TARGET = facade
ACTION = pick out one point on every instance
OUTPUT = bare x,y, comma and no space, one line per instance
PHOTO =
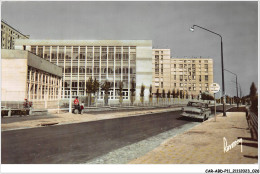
27,76
9,34
190,75
161,70
112,60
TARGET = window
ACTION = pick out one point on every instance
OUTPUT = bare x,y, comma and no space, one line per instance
125,49
181,78
68,53
54,54
96,49
40,51
206,77
33,49
125,56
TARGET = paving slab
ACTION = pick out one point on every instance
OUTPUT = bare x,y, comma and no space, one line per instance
204,144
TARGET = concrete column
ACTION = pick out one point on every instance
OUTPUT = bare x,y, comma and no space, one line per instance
64,62
86,51
129,73
58,55
100,54
43,51
114,90
41,86
122,62
34,77
48,87
71,56
93,62
30,81
107,60
50,52
38,86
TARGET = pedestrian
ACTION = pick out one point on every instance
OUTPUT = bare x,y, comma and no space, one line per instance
81,108
76,104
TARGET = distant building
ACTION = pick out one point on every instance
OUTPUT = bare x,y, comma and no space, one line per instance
27,76
190,75
161,70
9,34
112,60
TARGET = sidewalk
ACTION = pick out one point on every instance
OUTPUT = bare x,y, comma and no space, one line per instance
11,123
203,144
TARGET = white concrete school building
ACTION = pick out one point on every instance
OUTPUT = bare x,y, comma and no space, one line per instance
112,60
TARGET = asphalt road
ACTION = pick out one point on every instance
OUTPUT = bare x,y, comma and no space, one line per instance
80,142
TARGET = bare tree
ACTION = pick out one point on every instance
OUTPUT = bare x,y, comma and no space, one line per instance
132,90
121,86
142,93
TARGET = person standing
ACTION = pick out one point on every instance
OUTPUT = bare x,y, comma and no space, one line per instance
76,104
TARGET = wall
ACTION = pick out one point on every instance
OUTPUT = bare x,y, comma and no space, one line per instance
143,70
14,74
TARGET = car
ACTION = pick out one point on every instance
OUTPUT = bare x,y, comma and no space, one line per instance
197,110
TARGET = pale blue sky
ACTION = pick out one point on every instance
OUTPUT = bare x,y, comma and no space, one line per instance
166,23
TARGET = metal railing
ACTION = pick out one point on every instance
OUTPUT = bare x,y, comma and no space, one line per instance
252,120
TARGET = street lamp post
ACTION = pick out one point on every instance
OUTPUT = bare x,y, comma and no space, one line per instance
222,64
236,83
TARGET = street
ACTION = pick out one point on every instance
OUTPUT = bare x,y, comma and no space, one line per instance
77,143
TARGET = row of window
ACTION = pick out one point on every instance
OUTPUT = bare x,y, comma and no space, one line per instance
190,61
82,70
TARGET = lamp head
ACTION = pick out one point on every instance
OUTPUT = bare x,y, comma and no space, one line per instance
192,29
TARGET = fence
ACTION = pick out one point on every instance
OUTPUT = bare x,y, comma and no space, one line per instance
161,102
62,105
252,120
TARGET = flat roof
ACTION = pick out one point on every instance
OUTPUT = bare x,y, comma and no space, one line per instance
14,29
20,42
32,60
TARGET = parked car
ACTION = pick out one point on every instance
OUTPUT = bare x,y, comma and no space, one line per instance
196,110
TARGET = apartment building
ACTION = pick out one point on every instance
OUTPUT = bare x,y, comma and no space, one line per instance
9,34
190,75
161,70
112,60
